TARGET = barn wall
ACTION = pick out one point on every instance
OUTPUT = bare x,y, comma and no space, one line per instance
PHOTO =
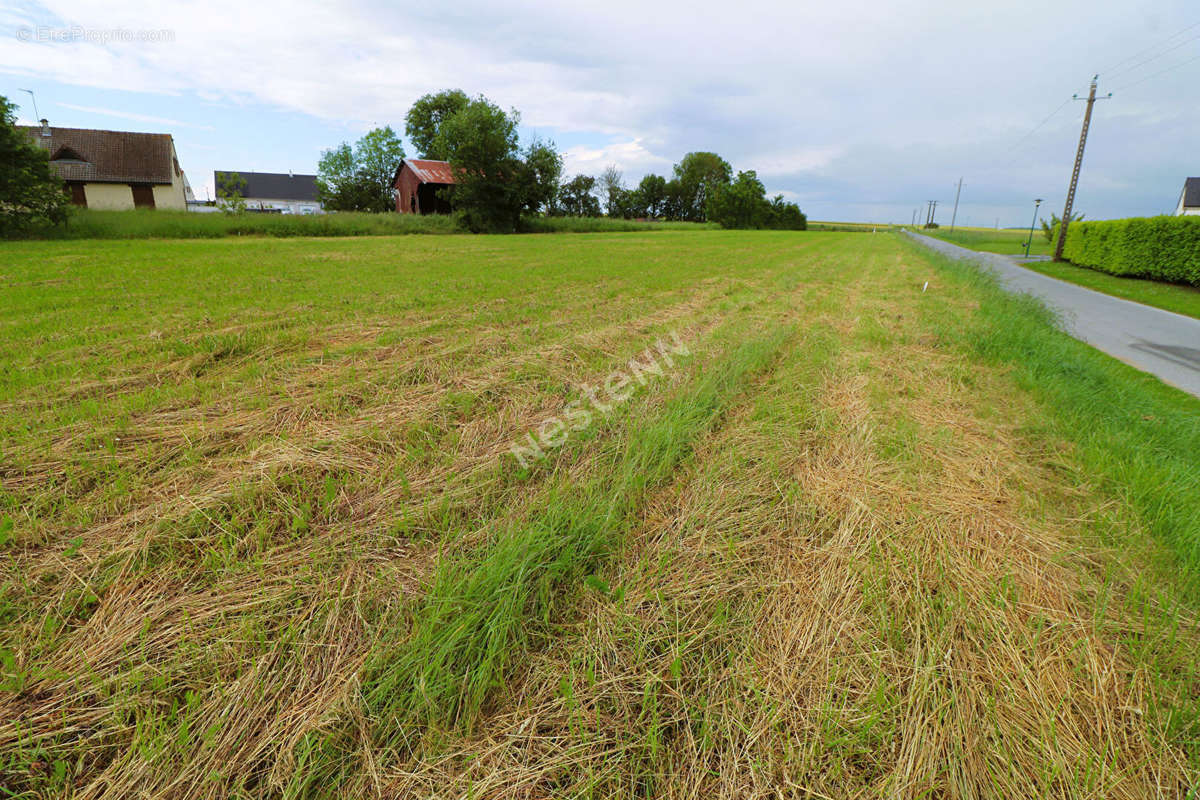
406,186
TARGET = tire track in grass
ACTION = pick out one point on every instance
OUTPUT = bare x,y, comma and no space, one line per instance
485,608
156,614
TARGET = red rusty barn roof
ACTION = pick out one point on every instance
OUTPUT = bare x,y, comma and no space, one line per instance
429,171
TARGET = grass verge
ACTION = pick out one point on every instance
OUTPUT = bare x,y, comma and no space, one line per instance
1135,434
1174,297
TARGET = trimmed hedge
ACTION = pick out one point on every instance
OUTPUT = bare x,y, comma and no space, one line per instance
1160,248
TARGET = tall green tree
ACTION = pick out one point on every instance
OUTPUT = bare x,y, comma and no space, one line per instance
424,120
652,196
480,142
542,168
359,178
743,204
611,189
698,176
740,204
787,216
30,192
576,198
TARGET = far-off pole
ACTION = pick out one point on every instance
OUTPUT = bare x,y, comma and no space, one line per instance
1066,217
954,216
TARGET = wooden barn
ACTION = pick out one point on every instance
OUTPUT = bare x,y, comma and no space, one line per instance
417,183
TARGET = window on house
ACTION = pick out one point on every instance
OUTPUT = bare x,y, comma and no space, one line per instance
66,154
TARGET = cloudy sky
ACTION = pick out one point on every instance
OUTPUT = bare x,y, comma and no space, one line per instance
857,109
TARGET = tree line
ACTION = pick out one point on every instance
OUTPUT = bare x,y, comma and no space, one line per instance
702,188
499,182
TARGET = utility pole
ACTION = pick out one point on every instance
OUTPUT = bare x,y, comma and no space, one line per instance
932,212
1029,242
1087,121
914,221
954,217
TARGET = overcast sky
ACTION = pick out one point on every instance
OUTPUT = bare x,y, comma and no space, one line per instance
857,109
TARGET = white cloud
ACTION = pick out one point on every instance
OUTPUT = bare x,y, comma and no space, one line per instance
788,89
109,112
631,157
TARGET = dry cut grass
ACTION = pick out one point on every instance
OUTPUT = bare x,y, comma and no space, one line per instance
832,554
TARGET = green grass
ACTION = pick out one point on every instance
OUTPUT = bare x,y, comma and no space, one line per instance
1006,242
1168,296
261,534
483,609
160,224
1135,434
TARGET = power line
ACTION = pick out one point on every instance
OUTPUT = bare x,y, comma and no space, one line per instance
1038,127
1153,58
1141,53
1156,74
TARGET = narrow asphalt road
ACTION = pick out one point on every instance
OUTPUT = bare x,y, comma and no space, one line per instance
1159,342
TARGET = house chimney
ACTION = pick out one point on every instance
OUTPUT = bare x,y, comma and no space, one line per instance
45,126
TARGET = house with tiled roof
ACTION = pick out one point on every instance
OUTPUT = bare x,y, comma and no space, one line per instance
285,192
114,169
1189,198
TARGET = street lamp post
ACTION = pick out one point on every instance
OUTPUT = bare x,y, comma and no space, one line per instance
1028,242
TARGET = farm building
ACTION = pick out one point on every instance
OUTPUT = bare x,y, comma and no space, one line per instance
417,183
114,169
286,193
1189,198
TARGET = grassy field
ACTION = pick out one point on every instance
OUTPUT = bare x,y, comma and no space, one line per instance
271,525
160,224
990,240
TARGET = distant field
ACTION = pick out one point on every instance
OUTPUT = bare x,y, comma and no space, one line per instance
849,227
1008,242
272,524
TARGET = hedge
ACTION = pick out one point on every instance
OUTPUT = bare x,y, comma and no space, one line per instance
1160,248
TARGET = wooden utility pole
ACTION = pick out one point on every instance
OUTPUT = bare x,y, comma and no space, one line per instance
954,216
1066,217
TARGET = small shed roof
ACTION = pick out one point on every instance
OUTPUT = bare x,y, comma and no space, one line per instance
83,154
428,171
1191,193
272,185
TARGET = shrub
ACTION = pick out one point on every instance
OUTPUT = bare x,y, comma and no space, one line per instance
1160,248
